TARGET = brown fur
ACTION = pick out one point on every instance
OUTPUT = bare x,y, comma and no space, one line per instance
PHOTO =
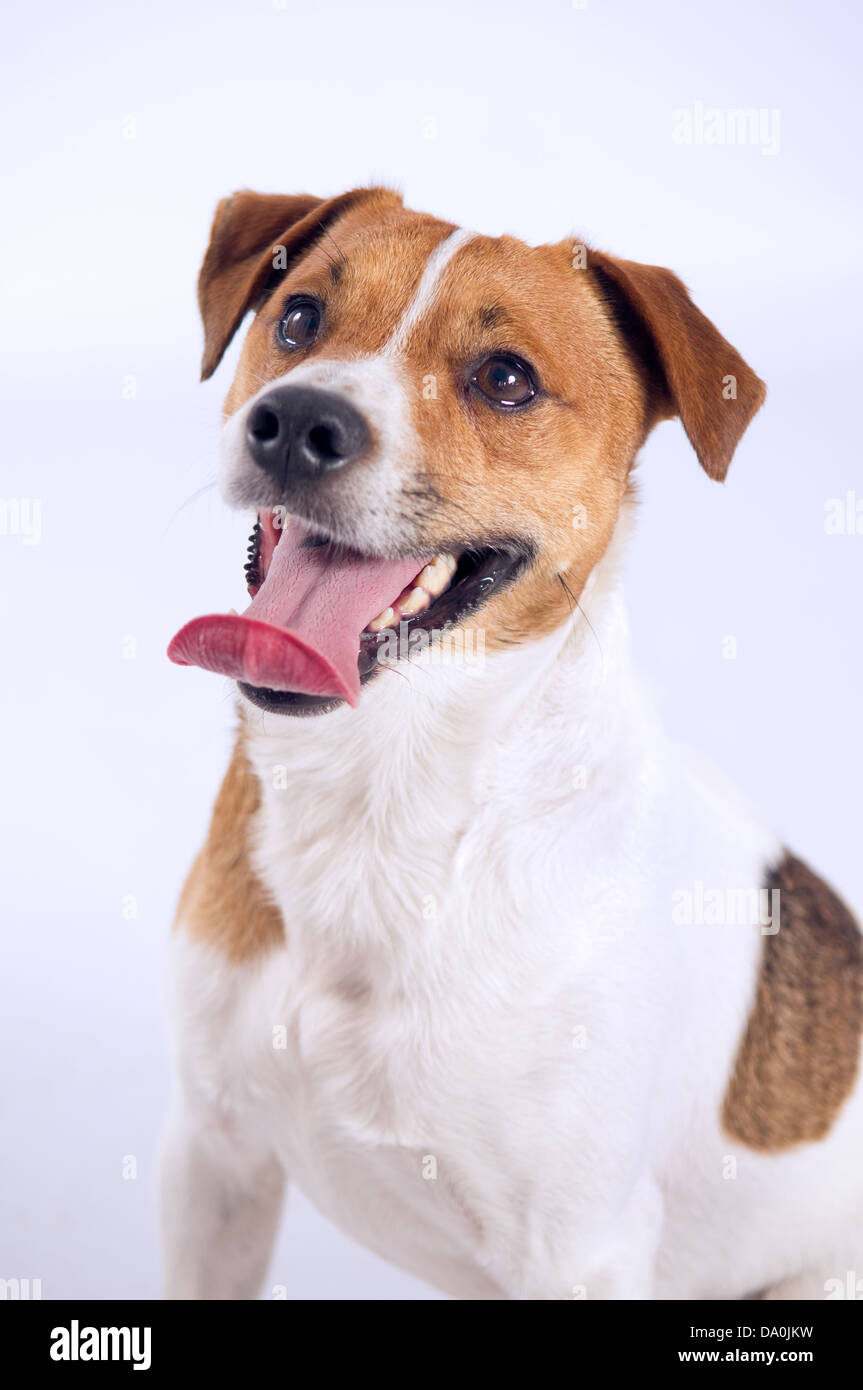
617,347
800,1055
695,373
223,902
239,266
556,473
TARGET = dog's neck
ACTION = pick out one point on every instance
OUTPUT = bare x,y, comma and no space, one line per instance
434,737
444,774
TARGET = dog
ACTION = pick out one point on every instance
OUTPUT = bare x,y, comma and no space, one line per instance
521,994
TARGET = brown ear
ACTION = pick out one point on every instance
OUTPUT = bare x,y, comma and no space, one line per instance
241,263
693,372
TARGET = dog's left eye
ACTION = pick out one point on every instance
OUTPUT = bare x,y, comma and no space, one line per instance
504,380
301,323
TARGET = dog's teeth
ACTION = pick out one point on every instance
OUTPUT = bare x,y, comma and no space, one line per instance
429,583
232,613
435,577
415,602
385,619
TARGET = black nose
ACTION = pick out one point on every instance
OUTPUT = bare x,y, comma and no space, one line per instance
303,431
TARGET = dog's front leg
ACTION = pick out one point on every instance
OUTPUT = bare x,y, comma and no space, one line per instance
616,1261
627,1267
220,1200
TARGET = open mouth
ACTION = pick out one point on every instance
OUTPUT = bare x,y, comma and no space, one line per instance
322,617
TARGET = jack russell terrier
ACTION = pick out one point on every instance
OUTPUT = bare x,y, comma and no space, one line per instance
521,994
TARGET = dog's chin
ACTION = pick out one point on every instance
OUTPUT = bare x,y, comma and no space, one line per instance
482,572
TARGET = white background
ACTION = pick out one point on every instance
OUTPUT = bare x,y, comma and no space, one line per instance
540,119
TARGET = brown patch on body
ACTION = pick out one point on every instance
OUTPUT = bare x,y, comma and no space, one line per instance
799,1058
223,902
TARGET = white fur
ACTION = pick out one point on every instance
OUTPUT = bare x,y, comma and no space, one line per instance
427,289
364,514
456,912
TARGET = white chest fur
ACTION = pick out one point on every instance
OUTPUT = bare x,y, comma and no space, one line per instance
487,1038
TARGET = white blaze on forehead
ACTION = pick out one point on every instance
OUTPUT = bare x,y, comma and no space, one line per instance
426,289
378,386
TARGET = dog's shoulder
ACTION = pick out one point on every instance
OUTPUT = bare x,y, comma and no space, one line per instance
224,903
799,1058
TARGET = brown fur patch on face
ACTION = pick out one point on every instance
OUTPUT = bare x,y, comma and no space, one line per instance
552,474
615,346
799,1058
365,268
254,237
223,902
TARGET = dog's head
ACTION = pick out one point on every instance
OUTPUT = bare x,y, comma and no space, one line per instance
433,428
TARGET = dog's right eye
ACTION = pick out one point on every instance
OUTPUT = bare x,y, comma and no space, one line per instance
504,381
300,324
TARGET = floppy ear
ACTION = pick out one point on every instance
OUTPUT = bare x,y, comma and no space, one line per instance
241,264
692,371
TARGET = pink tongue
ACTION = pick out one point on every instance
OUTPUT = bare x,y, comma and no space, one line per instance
301,632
